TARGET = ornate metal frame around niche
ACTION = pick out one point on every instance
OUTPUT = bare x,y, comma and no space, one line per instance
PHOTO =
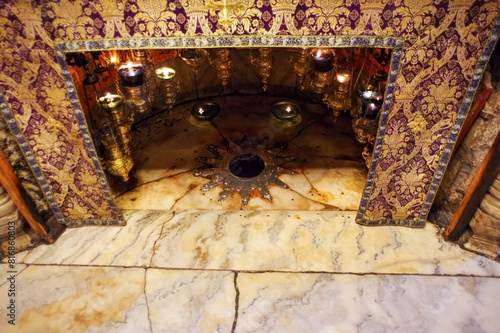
394,43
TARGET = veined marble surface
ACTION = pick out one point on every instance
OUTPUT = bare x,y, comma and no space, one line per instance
331,172
249,271
78,299
118,299
287,241
324,303
114,299
190,301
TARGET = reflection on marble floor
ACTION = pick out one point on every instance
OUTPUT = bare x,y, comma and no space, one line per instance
331,172
247,271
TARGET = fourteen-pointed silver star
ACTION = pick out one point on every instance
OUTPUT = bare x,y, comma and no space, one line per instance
243,168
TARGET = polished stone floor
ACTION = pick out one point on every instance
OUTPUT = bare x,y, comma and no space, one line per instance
330,172
242,271
186,262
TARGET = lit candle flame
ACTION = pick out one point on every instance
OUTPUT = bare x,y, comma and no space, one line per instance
377,96
319,53
288,109
113,59
201,111
108,98
130,70
166,72
367,95
372,107
110,101
343,78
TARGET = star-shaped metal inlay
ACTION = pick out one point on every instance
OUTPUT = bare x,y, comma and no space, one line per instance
243,168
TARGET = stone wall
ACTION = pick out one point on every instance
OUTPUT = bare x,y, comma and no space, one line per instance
13,231
12,152
484,237
466,162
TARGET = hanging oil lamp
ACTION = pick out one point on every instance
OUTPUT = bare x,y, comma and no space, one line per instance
377,98
121,120
300,66
115,160
264,62
131,73
110,101
193,57
165,73
322,59
343,79
170,87
374,105
338,100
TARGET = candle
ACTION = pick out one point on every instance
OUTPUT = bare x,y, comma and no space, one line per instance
285,110
131,73
343,77
205,111
377,98
367,95
110,101
113,60
372,110
323,60
165,73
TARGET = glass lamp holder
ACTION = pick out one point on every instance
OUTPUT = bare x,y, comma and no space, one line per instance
220,61
301,66
194,58
264,62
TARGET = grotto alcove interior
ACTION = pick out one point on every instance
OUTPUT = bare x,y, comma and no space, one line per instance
318,159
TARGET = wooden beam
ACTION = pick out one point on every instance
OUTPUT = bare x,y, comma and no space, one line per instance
18,193
476,108
487,172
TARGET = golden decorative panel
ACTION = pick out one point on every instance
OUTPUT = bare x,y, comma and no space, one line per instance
445,48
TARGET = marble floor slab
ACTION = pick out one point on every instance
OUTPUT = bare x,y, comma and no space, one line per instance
306,241
55,298
250,271
191,301
324,303
78,299
129,246
330,170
